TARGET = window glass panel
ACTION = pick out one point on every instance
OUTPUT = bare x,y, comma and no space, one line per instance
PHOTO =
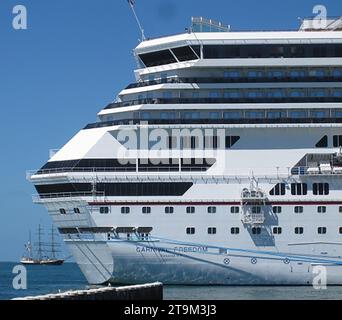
191,115
298,114
255,114
157,58
184,53
214,115
168,115
276,114
319,113
232,115
214,95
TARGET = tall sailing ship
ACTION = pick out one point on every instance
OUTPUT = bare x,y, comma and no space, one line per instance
41,257
221,164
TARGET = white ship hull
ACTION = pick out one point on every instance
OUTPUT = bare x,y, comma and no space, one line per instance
126,264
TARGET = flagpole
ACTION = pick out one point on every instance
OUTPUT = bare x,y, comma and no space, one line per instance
131,4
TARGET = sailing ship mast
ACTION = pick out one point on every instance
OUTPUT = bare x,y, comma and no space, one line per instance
40,250
54,244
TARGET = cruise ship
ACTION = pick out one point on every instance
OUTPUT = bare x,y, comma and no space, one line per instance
220,165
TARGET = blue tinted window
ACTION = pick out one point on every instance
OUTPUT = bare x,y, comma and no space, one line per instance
338,113
145,115
275,94
337,93
276,74
255,114
233,94
276,114
167,115
298,114
214,95
296,73
297,94
167,95
320,114
232,115
191,115
337,73
214,115
317,93
254,94
231,74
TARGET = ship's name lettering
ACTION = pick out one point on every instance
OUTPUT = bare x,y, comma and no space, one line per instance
169,251
190,249
146,249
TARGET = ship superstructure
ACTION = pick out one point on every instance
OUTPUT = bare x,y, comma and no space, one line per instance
221,164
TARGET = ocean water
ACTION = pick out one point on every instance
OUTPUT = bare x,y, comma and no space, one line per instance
52,279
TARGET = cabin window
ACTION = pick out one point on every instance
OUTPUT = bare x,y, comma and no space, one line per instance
104,210
235,230
211,230
337,141
125,210
190,210
77,210
340,230
323,143
320,188
322,230
321,209
256,209
256,230
169,210
277,209
278,190
298,189
298,209
211,209
299,230
277,230
234,209
190,230
62,211
146,210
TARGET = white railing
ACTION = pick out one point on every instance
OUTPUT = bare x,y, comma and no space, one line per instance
69,195
315,171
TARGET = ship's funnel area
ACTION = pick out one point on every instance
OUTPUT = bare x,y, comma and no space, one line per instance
318,24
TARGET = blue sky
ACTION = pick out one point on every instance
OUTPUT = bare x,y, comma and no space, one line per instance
72,60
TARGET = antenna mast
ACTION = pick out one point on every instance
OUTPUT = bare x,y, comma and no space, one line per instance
131,4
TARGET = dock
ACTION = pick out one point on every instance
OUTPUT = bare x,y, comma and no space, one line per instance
149,291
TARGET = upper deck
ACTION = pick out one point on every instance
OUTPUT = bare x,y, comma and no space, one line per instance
221,43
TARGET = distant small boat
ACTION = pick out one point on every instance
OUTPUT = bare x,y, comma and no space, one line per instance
40,258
